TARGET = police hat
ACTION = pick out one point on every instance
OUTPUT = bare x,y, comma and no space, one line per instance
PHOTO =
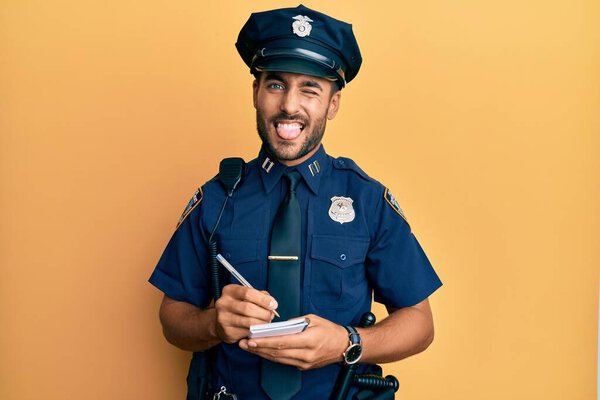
300,40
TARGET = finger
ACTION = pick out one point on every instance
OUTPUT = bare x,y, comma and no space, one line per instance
295,341
243,321
233,294
248,309
232,290
232,335
261,299
239,292
243,343
312,319
297,354
289,357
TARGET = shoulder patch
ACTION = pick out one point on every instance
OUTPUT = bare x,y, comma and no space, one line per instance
391,200
194,201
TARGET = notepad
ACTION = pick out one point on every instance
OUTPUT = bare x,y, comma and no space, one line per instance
278,328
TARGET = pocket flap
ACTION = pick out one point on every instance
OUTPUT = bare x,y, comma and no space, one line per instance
239,250
340,251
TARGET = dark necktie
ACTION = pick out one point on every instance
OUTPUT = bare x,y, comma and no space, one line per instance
282,382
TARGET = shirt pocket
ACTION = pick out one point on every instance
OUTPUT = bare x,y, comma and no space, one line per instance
338,277
242,253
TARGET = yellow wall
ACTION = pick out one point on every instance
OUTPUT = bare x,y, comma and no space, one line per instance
482,116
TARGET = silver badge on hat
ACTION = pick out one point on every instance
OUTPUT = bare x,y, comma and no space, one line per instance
341,209
301,25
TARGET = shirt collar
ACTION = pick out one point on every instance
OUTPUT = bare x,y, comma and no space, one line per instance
311,170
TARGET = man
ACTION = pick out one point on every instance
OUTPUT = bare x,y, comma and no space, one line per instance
343,234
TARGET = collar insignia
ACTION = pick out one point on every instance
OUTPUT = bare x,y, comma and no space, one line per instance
267,164
341,209
301,25
314,168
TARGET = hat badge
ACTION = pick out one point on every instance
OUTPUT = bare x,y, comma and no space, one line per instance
301,26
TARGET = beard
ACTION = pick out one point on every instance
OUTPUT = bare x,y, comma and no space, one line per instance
282,150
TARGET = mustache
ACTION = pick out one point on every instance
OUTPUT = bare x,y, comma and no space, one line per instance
288,117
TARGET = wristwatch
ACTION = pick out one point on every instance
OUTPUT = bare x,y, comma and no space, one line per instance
354,350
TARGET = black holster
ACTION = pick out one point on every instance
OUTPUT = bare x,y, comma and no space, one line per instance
374,380
198,376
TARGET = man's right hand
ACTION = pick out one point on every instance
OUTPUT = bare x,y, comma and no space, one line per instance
238,308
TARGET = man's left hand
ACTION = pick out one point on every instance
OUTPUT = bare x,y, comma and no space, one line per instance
322,343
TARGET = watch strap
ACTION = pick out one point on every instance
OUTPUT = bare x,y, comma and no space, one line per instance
354,351
353,335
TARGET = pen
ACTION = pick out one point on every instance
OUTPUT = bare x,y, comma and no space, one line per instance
237,275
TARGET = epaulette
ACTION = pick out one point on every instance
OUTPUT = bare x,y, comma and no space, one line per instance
348,164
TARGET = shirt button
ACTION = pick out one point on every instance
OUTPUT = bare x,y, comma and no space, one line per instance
343,257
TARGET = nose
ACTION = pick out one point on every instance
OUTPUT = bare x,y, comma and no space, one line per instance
290,103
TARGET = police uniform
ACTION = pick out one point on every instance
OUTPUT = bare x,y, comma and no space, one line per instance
356,241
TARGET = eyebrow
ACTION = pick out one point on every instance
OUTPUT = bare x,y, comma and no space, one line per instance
273,76
307,83
312,84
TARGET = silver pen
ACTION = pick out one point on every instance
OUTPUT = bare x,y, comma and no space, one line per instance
237,275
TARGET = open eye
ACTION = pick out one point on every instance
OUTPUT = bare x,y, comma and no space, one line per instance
275,85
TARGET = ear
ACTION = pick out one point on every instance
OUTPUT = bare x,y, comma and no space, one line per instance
334,105
254,92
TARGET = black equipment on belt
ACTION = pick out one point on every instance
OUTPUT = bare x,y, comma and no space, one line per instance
373,385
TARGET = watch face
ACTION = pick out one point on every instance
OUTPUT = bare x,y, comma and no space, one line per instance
353,354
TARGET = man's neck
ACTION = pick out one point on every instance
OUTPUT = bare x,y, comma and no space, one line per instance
298,161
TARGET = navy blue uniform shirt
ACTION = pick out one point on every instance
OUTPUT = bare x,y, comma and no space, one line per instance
356,243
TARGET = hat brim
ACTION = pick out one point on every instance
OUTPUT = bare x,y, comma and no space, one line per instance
296,66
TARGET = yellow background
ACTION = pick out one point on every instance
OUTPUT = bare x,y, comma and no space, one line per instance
481,116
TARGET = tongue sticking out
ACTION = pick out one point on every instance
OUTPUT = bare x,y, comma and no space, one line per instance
289,131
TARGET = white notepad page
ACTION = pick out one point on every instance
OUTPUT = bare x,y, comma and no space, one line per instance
278,328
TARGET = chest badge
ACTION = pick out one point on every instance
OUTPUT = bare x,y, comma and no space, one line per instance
341,209
301,26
